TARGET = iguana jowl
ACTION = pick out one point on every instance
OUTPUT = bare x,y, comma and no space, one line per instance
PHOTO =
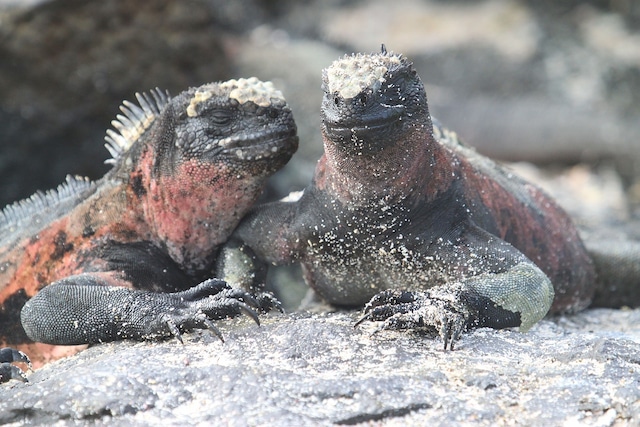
403,217
121,257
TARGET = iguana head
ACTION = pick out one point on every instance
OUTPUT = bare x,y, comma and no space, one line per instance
196,163
376,128
371,100
244,123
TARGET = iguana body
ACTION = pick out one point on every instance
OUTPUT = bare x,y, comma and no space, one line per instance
185,170
402,216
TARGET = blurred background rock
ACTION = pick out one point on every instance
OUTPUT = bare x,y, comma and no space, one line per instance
553,83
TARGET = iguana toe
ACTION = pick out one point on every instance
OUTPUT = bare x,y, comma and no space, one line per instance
418,311
9,355
268,302
9,371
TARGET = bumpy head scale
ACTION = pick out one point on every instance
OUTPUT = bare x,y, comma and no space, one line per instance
350,75
263,94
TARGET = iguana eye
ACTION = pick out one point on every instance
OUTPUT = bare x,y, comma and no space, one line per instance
220,117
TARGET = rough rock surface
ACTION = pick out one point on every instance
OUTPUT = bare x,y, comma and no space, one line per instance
317,369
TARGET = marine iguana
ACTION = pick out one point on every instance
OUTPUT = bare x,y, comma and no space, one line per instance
129,255
403,218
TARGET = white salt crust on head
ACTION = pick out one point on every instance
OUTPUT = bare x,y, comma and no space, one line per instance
242,90
350,75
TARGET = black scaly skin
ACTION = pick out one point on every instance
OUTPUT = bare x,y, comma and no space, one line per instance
418,228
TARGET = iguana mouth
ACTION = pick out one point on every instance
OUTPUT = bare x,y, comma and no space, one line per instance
372,123
257,145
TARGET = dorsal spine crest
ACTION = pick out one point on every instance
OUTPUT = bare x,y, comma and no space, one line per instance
39,202
133,122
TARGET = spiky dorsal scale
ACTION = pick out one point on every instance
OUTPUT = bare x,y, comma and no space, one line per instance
42,207
134,121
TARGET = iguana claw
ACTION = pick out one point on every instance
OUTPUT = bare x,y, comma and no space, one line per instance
210,300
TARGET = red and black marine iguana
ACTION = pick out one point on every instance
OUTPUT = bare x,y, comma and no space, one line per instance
128,256
403,217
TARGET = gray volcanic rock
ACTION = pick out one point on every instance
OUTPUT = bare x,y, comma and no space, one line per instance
317,369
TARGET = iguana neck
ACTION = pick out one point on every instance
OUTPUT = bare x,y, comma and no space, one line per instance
417,169
182,206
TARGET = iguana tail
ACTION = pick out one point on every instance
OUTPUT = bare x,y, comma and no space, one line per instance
617,264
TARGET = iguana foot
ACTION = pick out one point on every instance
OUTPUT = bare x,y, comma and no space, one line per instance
80,310
420,311
9,371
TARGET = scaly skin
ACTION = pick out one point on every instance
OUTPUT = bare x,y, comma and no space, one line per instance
402,217
185,171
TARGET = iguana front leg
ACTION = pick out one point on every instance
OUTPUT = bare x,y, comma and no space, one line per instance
239,266
498,288
87,309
